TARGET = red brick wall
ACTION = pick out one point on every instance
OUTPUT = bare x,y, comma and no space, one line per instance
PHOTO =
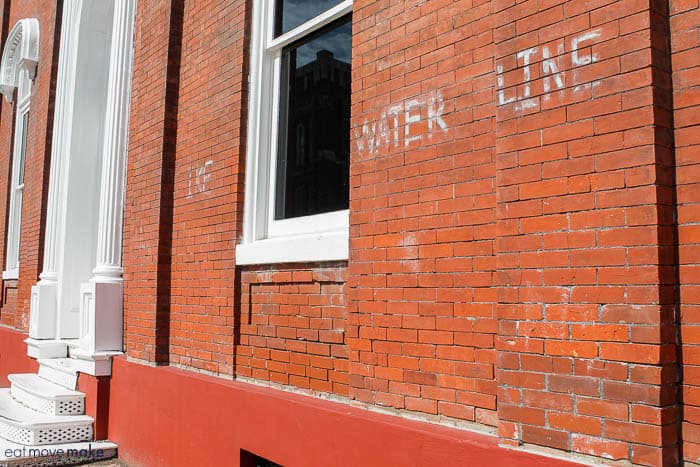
14,309
149,189
208,184
292,327
685,41
422,325
586,338
512,238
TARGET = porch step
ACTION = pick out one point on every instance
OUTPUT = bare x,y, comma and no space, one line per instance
16,455
44,396
61,371
20,424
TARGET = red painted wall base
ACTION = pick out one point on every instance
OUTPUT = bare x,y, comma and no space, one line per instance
96,390
168,417
13,355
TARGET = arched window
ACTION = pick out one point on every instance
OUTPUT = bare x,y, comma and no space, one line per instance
19,60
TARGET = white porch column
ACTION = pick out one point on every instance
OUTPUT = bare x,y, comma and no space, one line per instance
101,298
43,307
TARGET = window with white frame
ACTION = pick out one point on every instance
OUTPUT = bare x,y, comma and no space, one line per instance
297,184
17,71
17,177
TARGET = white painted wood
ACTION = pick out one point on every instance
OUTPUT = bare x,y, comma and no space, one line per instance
101,317
314,24
101,299
114,149
328,246
42,311
79,226
70,251
62,134
43,306
46,348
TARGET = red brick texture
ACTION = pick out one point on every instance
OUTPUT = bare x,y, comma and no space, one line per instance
292,328
586,345
685,41
14,304
207,184
512,220
524,220
148,203
422,325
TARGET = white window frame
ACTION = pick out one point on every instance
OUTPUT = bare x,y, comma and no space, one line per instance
19,157
319,237
17,71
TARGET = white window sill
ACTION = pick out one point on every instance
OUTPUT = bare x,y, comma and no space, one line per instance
325,246
10,274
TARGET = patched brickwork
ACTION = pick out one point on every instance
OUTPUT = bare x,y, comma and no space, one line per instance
292,328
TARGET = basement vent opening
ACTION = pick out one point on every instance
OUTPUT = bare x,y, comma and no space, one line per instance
248,459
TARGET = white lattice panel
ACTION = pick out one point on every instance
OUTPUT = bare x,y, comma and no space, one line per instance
63,435
66,406
15,434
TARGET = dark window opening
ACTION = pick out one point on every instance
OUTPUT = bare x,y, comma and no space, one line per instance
248,459
314,140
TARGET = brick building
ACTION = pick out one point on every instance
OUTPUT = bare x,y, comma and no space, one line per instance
352,232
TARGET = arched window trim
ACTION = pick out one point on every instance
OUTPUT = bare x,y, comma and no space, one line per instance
21,53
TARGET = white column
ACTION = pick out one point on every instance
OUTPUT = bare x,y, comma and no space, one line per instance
101,304
109,240
43,306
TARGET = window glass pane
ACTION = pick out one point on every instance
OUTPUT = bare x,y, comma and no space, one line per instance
22,149
314,142
292,13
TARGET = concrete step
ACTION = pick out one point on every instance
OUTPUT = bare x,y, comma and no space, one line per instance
16,455
22,425
61,371
46,397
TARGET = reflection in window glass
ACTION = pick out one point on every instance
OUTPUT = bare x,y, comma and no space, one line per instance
314,143
292,13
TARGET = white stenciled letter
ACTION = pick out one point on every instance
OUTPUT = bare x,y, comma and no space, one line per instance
436,106
411,118
550,68
366,140
394,112
501,93
576,59
525,55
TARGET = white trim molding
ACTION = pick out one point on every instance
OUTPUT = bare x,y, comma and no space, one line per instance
21,53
